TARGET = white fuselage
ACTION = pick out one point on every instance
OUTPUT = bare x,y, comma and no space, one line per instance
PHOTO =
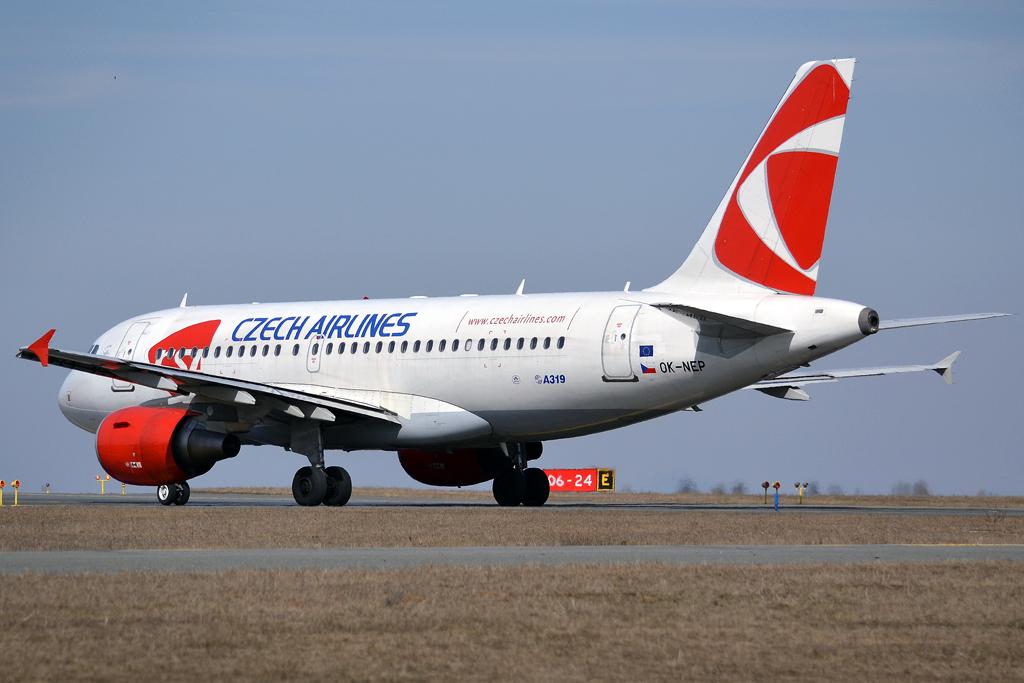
470,370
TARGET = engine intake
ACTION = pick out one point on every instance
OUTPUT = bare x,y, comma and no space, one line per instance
156,446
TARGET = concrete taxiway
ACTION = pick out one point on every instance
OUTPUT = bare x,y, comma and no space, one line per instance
117,561
201,499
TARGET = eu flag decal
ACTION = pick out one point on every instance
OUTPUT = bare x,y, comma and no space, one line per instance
647,360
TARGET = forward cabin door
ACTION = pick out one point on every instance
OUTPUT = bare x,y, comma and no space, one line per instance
615,349
126,351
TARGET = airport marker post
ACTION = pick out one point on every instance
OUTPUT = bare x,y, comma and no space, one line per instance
2,484
776,486
801,490
16,485
103,483
765,486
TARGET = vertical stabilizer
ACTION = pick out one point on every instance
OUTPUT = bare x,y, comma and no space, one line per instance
768,231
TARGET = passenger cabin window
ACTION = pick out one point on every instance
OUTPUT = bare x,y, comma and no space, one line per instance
277,350
519,344
216,352
366,347
547,342
391,347
266,350
159,353
295,350
508,343
252,351
494,344
416,346
455,345
380,345
206,351
195,351
430,345
561,342
330,348
405,345
355,346
229,351
468,345
533,343
241,350
440,346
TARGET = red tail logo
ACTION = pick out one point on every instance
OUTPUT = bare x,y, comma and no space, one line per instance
774,224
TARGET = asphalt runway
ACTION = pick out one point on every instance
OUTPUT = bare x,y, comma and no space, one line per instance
596,503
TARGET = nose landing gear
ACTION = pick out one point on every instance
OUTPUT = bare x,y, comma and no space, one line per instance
173,494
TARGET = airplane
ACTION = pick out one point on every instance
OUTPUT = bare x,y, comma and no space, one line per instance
466,389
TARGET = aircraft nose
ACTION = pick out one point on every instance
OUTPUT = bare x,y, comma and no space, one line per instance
75,402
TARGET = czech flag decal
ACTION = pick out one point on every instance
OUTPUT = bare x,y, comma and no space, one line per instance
647,360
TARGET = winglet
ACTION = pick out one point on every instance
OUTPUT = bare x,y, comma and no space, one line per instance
41,347
184,301
521,285
945,367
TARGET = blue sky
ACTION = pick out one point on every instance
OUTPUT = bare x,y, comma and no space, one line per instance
261,152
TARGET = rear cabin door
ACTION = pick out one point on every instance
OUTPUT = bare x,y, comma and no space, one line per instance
126,351
316,350
615,348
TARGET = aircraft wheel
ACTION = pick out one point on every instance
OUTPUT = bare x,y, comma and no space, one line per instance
309,486
509,487
537,487
184,491
339,486
167,495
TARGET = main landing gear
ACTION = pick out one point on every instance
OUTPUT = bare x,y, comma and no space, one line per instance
173,494
519,484
314,485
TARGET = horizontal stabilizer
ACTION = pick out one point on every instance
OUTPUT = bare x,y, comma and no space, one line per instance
788,393
937,320
944,368
739,327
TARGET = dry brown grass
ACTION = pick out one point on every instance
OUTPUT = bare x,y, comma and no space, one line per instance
677,498
878,622
156,527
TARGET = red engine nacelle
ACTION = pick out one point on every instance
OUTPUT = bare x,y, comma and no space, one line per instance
156,446
460,467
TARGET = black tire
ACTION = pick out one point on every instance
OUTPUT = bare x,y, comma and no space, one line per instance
339,486
167,494
184,491
309,486
509,487
537,487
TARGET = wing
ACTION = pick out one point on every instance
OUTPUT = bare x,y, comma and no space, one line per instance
788,386
295,403
937,320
